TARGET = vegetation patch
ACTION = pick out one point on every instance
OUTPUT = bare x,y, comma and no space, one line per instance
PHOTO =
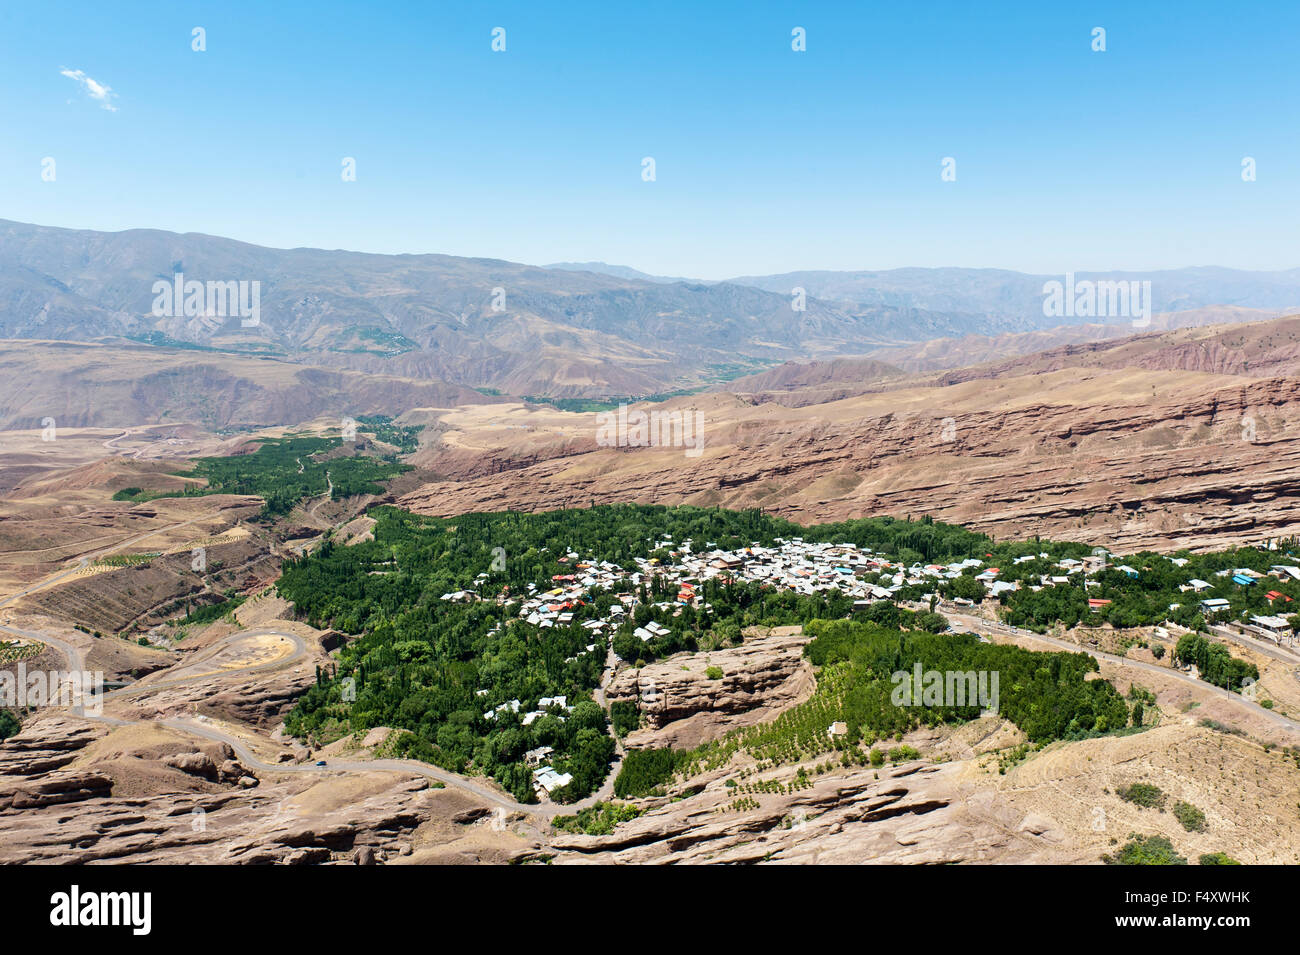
1045,694
1142,794
600,819
1189,817
1214,662
14,651
286,471
625,716
1146,850
1217,858
210,612
646,771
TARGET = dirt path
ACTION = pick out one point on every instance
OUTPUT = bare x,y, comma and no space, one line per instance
194,727
980,623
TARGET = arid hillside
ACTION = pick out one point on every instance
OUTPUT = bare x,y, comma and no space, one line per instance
816,382
1181,439
940,353
125,385
1254,350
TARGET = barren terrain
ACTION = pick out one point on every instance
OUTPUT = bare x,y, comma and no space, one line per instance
1169,440
1186,439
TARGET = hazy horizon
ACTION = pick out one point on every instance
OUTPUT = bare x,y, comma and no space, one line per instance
564,265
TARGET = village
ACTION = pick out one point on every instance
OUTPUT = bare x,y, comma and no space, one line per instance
807,568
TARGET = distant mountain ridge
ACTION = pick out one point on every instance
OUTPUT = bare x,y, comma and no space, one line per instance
470,321
1000,293
570,330
622,272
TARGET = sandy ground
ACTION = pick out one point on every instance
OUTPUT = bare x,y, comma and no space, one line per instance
1250,796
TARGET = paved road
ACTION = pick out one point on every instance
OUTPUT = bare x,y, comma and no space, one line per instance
980,623
1259,646
70,652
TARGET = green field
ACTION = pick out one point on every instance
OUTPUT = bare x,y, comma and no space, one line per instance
285,471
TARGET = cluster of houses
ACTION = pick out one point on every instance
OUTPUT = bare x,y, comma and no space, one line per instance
808,567
1274,626
803,567
557,705
792,564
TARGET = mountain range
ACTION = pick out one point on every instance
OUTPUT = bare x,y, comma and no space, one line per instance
568,330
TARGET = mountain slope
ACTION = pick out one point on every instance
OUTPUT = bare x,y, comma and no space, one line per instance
941,353
1181,439
103,385
477,322
574,330
999,293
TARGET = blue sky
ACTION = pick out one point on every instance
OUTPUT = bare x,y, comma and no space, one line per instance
767,160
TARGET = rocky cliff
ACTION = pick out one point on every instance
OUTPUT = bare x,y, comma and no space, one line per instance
1127,458
683,705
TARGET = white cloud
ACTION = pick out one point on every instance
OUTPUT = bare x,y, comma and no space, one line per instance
96,90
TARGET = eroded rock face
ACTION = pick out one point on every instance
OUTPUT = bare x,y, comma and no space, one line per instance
912,814
261,701
682,706
57,788
45,745
217,767
154,800
1199,462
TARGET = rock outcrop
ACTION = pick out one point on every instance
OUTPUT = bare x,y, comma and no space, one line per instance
155,797
907,814
1128,459
683,705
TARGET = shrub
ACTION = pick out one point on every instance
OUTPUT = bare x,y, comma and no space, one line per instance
1217,858
1146,850
902,754
1143,794
597,820
1191,818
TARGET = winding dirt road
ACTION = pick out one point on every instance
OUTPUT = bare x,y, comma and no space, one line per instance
198,726
75,657
982,624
